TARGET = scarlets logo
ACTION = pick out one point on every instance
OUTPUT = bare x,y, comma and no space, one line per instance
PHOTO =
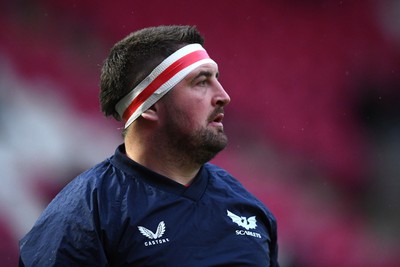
246,223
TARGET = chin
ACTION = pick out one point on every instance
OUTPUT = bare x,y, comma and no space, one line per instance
210,149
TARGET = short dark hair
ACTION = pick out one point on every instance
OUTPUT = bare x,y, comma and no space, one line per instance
134,57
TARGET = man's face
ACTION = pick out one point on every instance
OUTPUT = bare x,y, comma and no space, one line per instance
192,115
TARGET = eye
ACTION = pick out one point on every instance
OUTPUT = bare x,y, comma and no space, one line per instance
202,82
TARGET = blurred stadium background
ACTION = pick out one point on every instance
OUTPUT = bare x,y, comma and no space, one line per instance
314,122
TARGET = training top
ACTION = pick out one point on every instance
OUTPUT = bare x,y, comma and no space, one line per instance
120,213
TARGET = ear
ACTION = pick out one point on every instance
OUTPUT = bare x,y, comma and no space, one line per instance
151,113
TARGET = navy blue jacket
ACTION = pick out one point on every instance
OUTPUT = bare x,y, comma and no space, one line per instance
120,213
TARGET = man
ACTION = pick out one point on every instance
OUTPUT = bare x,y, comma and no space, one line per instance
156,201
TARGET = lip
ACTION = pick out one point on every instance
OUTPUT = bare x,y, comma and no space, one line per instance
217,121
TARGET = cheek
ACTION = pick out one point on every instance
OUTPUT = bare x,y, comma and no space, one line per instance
189,113
189,118
197,114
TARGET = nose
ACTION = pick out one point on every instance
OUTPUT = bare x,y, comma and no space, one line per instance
221,97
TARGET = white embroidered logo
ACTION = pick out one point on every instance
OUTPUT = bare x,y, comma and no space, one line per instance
247,223
148,233
156,237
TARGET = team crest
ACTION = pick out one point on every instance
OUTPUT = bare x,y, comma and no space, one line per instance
246,223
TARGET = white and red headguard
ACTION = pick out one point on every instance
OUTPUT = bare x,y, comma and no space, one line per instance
162,79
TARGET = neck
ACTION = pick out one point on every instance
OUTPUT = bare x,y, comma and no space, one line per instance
161,160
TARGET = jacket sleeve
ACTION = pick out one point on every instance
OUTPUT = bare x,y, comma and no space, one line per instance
67,233
274,243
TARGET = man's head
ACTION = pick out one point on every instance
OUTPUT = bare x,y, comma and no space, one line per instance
163,79
135,56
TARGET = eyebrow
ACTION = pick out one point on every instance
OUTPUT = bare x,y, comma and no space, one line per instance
205,73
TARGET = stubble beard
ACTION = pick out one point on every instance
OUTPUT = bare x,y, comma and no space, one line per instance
197,147
204,145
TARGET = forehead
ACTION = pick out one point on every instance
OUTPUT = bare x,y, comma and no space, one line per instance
207,69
